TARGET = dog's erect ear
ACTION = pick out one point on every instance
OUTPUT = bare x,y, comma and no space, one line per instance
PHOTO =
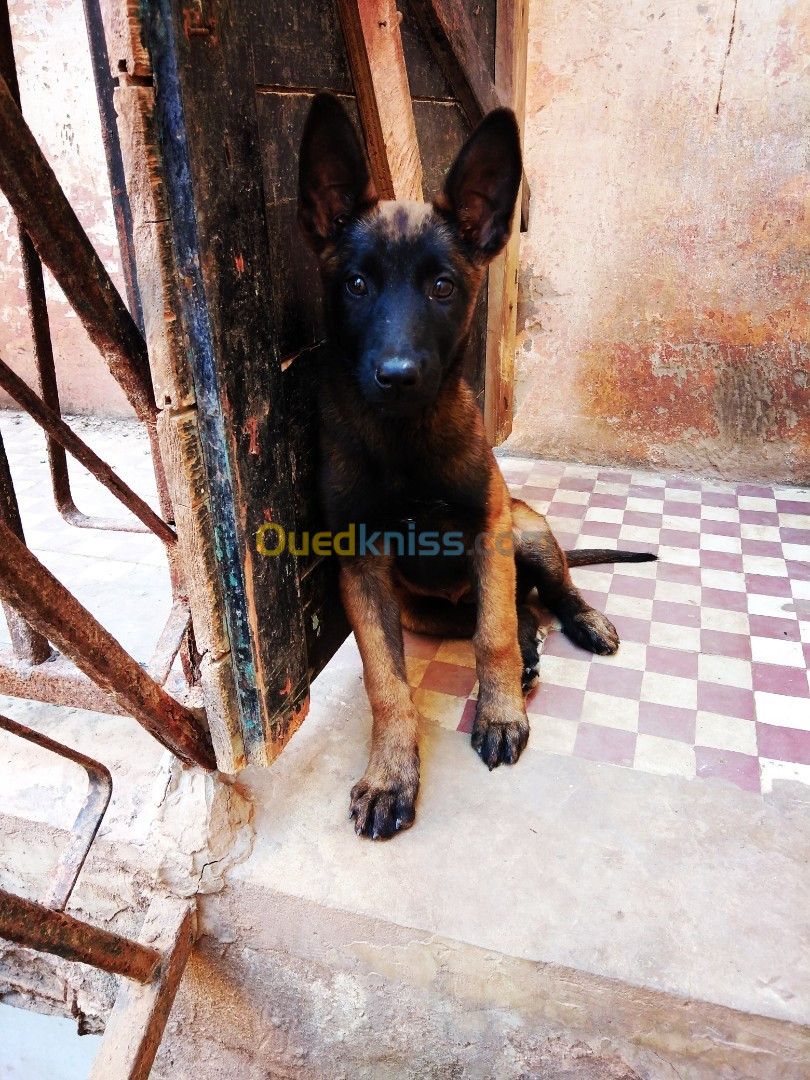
333,180
482,185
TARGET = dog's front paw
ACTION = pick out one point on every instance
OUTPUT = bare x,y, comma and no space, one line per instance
498,738
593,631
383,802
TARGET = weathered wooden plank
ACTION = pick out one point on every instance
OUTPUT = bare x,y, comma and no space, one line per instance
510,77
374,46
138,1019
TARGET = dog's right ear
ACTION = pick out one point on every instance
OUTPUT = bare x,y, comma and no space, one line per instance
333,179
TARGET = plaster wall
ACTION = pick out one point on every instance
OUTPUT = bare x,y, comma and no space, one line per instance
664,287
59,104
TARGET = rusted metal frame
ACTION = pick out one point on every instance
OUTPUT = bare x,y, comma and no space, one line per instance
16,388
29,587
87,821
38,927
29,184
105,85
452,41
170,642
28,645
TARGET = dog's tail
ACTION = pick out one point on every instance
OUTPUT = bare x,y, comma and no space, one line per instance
589,556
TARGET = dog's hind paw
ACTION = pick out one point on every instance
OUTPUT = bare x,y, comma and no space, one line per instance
499,742
592,630
381,812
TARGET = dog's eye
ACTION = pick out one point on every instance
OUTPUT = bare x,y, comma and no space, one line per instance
357,286
443,288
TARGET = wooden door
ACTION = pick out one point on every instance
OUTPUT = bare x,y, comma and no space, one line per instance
233,84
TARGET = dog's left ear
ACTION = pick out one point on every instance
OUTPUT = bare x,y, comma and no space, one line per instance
482,185
333,179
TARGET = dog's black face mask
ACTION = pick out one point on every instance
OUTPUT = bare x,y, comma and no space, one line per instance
401,278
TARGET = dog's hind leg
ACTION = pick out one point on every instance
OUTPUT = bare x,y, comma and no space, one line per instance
440,618
542,561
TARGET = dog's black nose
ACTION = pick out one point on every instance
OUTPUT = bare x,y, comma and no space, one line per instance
397,373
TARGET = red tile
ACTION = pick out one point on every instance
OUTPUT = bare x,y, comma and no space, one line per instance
791,506
608,502
683,483
806,651
721,560
563,702
557,644
419,646
788,681
448,678
797,571
667,721
605,744
772,627
537,494
577,483
796,536
681,575
672,662
723,599
764,585
560,508
609,476
739,769
720,528
467,717
615,681
622,585
755,491
759,517
720,643
594,598
675,508
678,538
783,744
637,630
725,700
647,491
640,520
601,528
770,549
666,611
719,498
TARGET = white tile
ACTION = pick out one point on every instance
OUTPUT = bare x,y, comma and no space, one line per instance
553,734
683,495
751,502
726,733
771,771
797,552
762,564
777,607
725,670
804,632
682,524
609,711
596,542
800,589
794,521
640,534
669,690
680,556
720,513
631,654
564,671
713,542
634,607
604,487
782,711
730,622
666,757
678,593
777,651
646,506
643,569
667,636
604,513
442,709
794,494
760,532
579,498
729,580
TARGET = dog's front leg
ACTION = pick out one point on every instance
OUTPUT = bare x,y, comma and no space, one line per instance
383,801
501,727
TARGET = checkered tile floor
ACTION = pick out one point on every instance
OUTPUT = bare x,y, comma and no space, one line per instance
711,679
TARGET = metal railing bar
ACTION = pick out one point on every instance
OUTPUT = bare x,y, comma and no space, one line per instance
85,827
16,388
169,642
41,207
52,610
38,927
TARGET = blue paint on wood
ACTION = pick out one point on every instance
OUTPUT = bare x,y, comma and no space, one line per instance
180,197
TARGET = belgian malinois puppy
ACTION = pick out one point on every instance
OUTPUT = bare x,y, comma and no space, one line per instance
403,449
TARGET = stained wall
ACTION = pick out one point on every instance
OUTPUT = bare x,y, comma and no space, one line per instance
664,282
